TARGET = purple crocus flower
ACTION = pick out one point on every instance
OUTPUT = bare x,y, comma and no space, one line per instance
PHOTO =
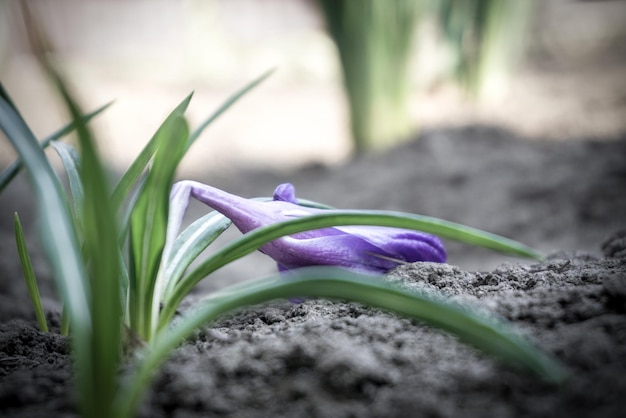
368,249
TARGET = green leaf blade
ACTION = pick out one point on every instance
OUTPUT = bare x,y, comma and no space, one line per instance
57,231
149,223
486,334
190,244
71,162
133,173
99,381
29,275
255,239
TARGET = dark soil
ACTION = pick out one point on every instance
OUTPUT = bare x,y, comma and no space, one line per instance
335,359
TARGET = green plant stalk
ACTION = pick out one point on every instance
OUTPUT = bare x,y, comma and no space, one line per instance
374,41
29,275
255,239
487,334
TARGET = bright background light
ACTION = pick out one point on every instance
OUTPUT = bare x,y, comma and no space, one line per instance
147,55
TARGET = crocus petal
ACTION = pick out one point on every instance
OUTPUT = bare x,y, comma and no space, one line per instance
335,250
406,245
363,248
246,214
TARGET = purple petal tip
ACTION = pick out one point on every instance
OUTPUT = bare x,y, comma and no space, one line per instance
285,193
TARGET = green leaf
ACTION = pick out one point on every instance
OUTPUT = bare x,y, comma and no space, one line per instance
190,244
57,231
140,285
255,239
11,171
127,210
56,227
149,224
29,275
124,284
98,382
487,334
133,173
65,321
71,161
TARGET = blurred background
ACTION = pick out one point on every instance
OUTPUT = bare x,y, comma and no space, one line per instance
466,78
551,69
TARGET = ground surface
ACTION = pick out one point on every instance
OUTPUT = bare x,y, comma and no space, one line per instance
333,359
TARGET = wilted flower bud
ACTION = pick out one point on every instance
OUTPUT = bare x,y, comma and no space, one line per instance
370,249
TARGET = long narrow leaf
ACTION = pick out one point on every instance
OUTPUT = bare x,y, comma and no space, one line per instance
130,178
71,161
11,171
255,239
57,231
486,334
124,283
127,211
133,173
190,244
98,383
149,222
29,275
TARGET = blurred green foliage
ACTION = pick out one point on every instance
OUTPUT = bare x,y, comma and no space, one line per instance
376,41
487,38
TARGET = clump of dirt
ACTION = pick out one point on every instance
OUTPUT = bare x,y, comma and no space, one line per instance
331,358
325,359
